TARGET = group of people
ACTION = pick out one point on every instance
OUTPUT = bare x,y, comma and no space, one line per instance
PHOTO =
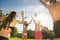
9,22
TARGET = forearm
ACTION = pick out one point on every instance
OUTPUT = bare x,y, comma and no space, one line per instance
46,30
42,2
19,22
2,18
31,21
22,17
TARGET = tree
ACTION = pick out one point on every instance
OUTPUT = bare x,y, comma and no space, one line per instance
30,34
52,34
14,32
0,13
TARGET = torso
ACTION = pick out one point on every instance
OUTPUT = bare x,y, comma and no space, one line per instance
55,11
25,28
37,27
5,32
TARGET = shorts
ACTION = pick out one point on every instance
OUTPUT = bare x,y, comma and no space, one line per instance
3,38
24,33
38,35
57,29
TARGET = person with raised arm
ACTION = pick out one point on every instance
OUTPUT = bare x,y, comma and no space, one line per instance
25,25
54,9
37,33
8,25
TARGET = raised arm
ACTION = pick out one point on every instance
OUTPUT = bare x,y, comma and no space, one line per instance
34,21
30,21
19,22
22,13
47,6
2,18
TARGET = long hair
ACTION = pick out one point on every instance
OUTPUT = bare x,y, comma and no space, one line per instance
9,19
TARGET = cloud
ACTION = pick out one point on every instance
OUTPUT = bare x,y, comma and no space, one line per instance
34,9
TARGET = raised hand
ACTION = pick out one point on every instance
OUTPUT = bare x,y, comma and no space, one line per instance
22,12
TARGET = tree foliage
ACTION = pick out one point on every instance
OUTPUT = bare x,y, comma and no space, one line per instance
1,14
14,32
30,34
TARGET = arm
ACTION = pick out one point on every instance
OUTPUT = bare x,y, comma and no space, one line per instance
25,17
19,22
30,21
34,21
2,18
46,29
22,13
47,6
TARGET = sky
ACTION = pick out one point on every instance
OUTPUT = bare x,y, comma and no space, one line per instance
30,7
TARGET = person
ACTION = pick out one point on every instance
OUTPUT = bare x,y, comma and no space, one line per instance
8,25
25,25
45,32
54,9
37,33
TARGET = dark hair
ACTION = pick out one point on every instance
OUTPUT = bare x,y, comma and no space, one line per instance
53,1
8,19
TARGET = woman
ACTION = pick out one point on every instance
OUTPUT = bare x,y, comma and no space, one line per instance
7,26
25,25
24,34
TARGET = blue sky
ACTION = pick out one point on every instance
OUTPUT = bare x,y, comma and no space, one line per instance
30,7
14,4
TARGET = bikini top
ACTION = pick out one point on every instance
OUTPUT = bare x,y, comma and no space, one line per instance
25,25
1,22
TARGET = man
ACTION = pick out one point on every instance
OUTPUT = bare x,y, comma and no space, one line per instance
54,9
37,33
